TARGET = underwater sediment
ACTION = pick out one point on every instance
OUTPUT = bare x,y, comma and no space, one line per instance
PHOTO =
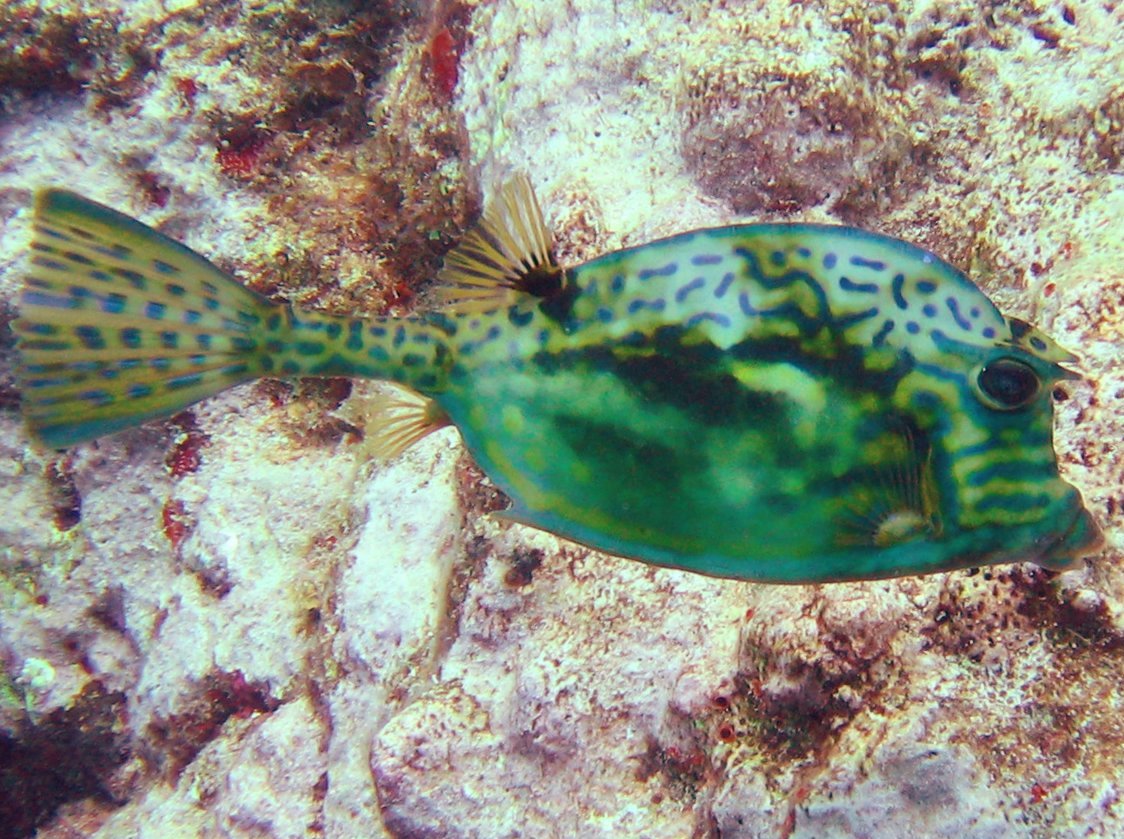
237,623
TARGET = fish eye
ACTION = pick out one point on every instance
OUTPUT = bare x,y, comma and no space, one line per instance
1008,384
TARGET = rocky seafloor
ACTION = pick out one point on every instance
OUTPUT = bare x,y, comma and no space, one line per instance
237,623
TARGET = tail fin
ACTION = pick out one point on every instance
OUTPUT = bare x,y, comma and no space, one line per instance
119,324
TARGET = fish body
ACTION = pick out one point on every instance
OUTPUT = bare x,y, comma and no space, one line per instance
773,402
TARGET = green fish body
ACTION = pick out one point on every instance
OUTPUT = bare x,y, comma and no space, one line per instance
774,402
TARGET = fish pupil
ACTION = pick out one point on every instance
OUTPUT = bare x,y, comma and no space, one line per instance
1010,383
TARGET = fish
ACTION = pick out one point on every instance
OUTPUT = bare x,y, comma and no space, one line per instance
775,402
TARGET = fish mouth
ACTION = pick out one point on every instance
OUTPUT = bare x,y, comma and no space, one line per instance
1082,538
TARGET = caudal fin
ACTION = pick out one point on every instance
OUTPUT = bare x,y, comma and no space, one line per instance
119,324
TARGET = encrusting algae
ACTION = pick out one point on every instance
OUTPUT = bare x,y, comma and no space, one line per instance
774,402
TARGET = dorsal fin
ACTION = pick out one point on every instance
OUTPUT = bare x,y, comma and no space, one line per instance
508,254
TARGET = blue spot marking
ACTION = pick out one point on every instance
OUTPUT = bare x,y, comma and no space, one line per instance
191,316
290,367
355,337
975,312
117,251
170,340
154,310
334,329
912,327
880,336
706,259
377,331
803,252
714,317
90,336
664,271
54,234
160,364
37,298
139,391
378,354
695,284
656,305
829,260
399,336
492,334
617,283
519,318
211,303
135,279
113,303
872,264
78,258
175,289
544,336
99,397
929,310
778,258
49,264
203,341
308,347
896,289
988,332
164,267
604,315
721,289
1038,344
847,284
961,321
99,275
926,286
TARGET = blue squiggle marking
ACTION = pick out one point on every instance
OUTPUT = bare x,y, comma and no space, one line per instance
961,321
856,317
896,290
656,305
696,283
664,271
880,336
717,318
847,284
872,264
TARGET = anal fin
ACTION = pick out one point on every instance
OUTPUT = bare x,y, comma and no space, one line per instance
402,418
